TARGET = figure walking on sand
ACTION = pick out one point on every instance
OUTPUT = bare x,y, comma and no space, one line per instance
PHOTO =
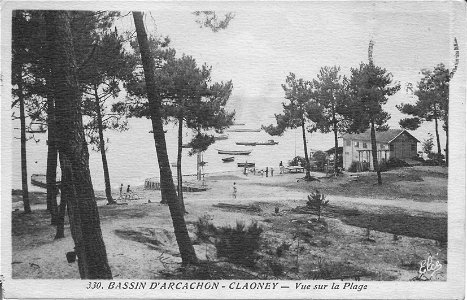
121,190
272,172
267,171
128,191
281,168
234,191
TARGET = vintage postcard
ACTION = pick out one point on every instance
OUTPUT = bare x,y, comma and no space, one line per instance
234,150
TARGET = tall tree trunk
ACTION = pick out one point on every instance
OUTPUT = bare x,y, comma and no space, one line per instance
51,175
438,144
167,186
307,167
446,151
374,152
24,169
108,189
74,157
336,145
64,195
179,165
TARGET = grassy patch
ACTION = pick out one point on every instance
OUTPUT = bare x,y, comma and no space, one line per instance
396,222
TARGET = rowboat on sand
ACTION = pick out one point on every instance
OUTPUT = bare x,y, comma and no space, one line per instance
246,164
228,159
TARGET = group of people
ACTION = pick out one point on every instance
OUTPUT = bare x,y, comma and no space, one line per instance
264,171
128,193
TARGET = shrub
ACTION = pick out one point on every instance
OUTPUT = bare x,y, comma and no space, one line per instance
383,166
353,166
317,202
239,244
320,159
396,163
282,248
276,267
298,160
204,228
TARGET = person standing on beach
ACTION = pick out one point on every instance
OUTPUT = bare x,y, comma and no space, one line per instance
281,168
272,172
121,190
267,171
127,195
234,191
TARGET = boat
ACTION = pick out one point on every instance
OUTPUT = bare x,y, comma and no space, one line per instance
239,124
246,164
269,142
39,180
221,137
244,130
234,152
228,159
186,146
246,143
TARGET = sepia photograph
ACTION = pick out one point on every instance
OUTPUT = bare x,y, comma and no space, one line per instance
240,149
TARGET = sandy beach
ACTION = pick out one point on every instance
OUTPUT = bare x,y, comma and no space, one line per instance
140,241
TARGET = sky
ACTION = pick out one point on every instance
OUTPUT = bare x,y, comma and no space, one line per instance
265,41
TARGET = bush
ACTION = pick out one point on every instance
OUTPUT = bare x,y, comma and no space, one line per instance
298,161
239,244
320,159
316,202
383,166
282,248
204,228
396,163
357,166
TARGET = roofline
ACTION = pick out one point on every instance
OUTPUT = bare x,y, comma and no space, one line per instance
402,133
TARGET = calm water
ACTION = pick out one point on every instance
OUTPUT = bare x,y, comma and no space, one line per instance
132,156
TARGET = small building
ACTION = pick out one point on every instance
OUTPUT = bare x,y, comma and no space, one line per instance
396,143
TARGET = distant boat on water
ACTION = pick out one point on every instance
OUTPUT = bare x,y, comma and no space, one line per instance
228,159
268,143
234,152
221,137
239,124
246,143
244,130
246,164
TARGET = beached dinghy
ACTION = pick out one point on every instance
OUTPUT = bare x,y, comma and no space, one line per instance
228,159
39,180
234,152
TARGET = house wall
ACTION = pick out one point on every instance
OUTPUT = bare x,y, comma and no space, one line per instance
350,152
403,147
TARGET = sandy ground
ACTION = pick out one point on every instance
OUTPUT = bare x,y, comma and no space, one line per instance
140,242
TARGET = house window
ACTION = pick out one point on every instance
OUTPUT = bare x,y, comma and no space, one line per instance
348,142
365,145
391,147
357,144
413,147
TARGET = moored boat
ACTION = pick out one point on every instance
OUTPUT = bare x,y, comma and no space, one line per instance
246,164
269,142
221,137
246,143
228,159
234,152
244,130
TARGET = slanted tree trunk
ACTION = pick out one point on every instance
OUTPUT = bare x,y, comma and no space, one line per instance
446,151
74,155
179,164
108,189
374,152
185,246
307,167
24,169
51,175
438,144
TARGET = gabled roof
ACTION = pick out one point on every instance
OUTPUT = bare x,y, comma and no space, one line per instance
381,136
